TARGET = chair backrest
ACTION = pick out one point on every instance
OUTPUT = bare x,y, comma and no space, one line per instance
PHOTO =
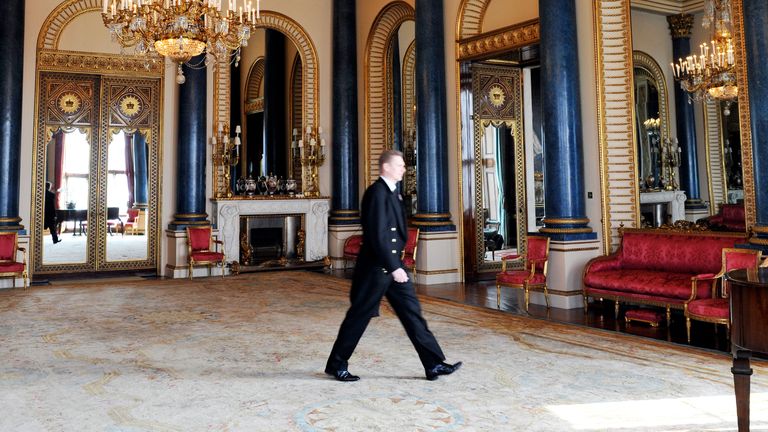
199,238
352,245
113,213
8,245
409,249
132,214
735,259
537,252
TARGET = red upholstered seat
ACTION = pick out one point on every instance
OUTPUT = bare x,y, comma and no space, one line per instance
714,307
660,284
200,249
533,275
9,264
409,250
352,247
730,218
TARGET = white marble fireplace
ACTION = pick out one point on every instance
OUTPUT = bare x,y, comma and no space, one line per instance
227,213
675,201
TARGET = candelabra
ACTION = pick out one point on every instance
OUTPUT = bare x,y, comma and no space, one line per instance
670,160
226,154
311,151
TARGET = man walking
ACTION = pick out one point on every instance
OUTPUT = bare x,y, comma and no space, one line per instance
380,272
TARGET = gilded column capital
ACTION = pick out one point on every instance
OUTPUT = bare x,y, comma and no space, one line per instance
680,25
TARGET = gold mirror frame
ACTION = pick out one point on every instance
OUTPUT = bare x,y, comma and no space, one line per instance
619,191
116,67
645,61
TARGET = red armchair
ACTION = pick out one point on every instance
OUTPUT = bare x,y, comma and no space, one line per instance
200,249
533,276
409,251
9,264
730,218
716,309
135,222
352,247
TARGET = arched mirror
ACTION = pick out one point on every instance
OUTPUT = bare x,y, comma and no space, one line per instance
272,118
651,121
733,181
402,100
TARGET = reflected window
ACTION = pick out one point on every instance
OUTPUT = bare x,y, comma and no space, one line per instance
117,182
76,170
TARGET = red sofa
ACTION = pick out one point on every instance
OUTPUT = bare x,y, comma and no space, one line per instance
659,267
730,218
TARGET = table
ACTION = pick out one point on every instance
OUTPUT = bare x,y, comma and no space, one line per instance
748,293
75,215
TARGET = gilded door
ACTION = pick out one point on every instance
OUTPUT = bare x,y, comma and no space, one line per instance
97,153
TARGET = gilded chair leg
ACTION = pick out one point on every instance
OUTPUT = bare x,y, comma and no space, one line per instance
526,298
498,296
546,296
25,276
669,316
616,309
209,270
586,304
222,269
189,273
687,328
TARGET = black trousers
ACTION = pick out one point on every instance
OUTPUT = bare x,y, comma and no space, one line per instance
365,298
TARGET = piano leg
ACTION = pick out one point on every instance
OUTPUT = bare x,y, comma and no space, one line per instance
741,373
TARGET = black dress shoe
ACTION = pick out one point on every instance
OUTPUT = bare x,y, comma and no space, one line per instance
342,375
442,369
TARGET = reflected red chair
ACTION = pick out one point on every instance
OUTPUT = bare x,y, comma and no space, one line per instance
352,247
409,250
131,221
200,249
533,275
9,264
716,309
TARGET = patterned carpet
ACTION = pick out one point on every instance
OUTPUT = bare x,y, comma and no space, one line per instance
246,354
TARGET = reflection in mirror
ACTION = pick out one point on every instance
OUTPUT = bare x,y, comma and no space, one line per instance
499,192
731,152
402,58
126,210
66,201
648,122
272,116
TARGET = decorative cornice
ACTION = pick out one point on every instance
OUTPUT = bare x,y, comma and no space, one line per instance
504,39
680,25
106,64
254,106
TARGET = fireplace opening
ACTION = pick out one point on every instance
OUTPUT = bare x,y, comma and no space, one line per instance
268,239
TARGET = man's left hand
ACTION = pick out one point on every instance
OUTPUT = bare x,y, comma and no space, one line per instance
400,276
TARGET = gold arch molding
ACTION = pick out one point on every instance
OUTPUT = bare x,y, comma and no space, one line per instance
645,61
469,21
377,112
253,98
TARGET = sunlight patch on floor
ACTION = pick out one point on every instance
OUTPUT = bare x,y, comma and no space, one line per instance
715,412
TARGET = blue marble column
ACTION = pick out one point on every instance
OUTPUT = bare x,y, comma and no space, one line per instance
432,212
140,172
680,27
756,45
565,207
11,77
191,152
345,208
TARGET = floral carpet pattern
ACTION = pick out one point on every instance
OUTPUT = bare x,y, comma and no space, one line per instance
246,353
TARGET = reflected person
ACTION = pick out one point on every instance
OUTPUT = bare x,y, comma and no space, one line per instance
379,272
49,217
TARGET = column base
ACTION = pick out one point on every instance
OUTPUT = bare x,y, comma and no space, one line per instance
433,222
337,234
182,221
692,214
565,270
344,217
177,265
437,258
759,239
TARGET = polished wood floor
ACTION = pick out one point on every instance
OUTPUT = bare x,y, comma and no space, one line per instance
600,315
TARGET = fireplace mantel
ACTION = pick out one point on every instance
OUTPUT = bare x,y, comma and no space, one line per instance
227,212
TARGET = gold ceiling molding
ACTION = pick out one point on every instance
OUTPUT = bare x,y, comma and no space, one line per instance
497,41
469,21
384,27
669,6
255,77
104,64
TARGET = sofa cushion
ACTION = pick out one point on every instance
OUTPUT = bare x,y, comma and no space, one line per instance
681,253
714,308
652,283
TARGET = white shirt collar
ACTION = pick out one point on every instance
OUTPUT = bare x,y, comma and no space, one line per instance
392,185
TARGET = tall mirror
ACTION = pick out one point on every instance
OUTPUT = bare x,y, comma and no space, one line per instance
401,58
502,154
269,106
658,156
66,200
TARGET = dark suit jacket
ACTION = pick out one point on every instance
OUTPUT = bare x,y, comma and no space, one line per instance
49,215
384,229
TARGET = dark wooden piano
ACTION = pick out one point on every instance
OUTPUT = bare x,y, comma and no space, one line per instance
748,291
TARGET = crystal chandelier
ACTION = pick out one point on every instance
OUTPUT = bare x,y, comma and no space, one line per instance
181,29
710,74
